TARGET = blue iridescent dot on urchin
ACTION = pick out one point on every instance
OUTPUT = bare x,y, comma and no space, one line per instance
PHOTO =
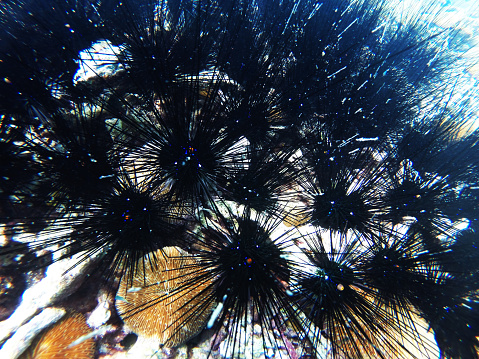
316,161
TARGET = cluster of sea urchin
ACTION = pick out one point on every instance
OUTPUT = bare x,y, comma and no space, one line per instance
299,177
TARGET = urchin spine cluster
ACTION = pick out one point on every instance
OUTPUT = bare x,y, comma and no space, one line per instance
312,160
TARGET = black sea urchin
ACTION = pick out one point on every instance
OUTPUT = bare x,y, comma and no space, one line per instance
312,166
249,268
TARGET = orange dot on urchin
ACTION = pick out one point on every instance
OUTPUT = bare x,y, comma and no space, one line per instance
168,299
55,342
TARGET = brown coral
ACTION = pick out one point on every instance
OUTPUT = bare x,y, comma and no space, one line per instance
55,342
166,300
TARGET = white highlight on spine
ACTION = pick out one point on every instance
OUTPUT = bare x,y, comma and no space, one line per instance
99,331
347,28
337,72
215,313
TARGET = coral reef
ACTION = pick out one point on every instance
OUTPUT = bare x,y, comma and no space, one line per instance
248,179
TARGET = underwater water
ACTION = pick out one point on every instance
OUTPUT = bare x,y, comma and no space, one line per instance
239,179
